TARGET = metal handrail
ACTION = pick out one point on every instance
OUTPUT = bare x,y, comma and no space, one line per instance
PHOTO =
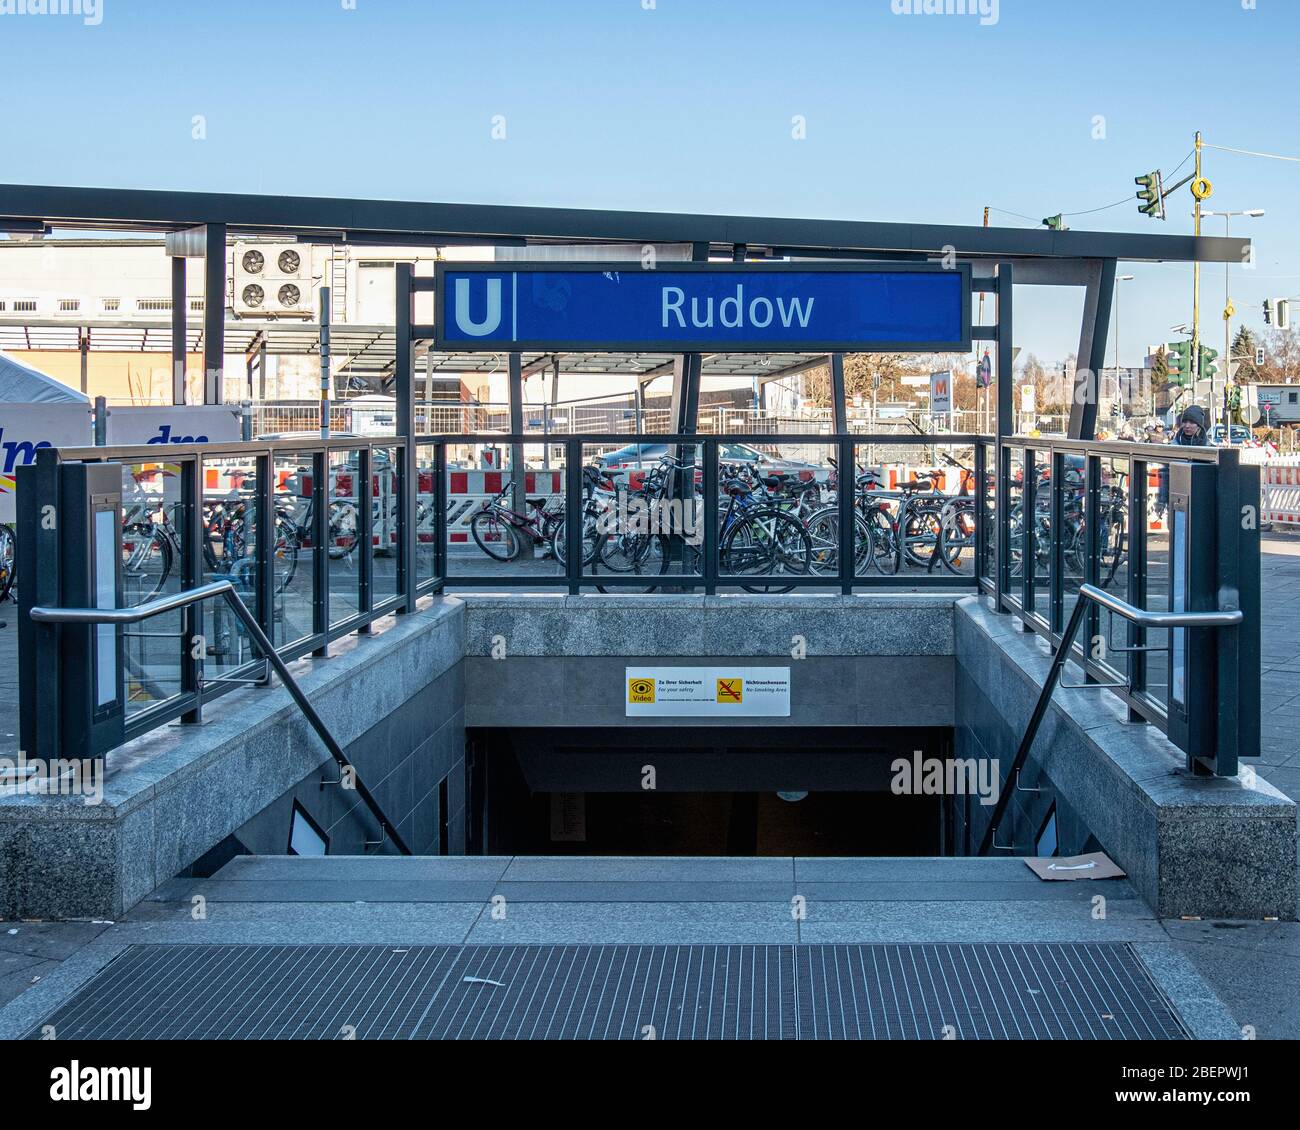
224,588
1222,618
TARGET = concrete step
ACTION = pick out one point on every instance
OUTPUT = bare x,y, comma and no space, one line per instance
594,879
622,869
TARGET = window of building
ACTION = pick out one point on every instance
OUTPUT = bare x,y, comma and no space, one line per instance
69,305
196,305
3,306
112,305
24,306
1290,397
153,305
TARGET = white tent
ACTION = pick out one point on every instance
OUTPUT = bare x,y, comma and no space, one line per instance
21,384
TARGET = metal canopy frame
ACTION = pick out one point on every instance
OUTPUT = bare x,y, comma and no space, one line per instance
359,221
1036,256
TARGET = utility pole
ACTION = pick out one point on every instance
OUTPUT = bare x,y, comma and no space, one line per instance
1196,277
1219,406
1152,196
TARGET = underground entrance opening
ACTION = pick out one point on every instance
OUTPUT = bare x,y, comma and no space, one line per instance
823,791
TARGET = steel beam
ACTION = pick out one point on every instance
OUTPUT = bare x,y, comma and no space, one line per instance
180,316
1091,357
392,221
214,312
839,406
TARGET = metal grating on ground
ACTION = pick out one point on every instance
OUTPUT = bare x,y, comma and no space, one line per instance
570,992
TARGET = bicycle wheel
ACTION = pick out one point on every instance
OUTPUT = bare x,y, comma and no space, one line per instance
823,536
882,556
1113,547
495,537
285,551
146,562
766,543
590,541
823,528
8,561
343,529
919,536
626,552
957,535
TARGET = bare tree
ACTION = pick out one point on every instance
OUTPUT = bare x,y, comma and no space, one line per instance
1281,356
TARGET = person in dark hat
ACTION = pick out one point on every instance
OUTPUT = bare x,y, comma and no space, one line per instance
1192,428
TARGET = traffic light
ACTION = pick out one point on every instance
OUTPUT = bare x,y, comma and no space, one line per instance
1234,398
1178,361
1152,195
1209,370
1056,223
1270,311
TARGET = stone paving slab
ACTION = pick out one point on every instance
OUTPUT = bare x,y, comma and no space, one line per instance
682,869
612,922
325,891
306,869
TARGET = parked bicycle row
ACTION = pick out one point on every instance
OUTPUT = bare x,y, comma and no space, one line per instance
771,523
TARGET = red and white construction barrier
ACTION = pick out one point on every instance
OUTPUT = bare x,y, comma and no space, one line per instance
468,490
1280,490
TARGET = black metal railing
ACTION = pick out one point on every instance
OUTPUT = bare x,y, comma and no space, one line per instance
1090,595
225,590
319,537
1107,514
306,531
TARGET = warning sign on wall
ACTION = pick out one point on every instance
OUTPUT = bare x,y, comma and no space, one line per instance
708,692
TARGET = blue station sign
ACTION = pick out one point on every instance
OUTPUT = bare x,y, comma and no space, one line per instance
703,307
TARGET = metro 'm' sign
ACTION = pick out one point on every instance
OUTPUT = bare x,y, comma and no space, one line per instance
703,307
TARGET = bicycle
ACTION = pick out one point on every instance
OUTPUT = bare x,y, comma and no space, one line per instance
918,527
151,544
500,532
957,521
593,511
755,538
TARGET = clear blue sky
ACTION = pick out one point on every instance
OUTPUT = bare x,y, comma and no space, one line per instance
688,106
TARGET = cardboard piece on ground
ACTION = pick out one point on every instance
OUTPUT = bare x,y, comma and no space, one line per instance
1096,865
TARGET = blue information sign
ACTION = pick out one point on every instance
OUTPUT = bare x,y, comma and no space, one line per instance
703,307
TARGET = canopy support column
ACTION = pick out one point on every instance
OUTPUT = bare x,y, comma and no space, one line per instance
179,317
214,312
839,405
1097,302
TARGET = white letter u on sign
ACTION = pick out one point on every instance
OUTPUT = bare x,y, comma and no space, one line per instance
491,319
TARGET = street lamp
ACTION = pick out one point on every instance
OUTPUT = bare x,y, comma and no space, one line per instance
1254,214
